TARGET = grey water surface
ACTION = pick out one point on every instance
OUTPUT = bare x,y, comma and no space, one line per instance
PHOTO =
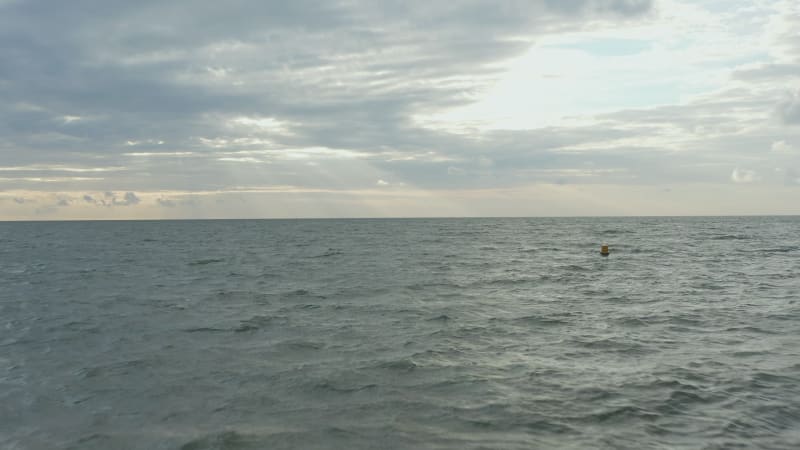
401,333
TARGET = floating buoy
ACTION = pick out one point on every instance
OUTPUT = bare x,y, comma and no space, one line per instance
604,250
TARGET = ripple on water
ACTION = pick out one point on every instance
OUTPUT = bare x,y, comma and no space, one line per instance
225,440
206,261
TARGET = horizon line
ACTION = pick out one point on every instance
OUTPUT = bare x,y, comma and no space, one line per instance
653,216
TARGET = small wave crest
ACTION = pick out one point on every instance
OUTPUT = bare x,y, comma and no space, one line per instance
329,386
225,440
203,262
440,318
113,369
539,321
299,294
782,249
254,323
620,414
205,330
330,252
730,237
399,365
300,345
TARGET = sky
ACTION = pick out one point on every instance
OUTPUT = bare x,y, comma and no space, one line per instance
361,108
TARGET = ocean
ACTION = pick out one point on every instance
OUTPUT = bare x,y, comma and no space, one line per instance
401,334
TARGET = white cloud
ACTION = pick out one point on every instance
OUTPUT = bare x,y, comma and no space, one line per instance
244,159
783,147
261,124
50,179
744,176
56,168
157,154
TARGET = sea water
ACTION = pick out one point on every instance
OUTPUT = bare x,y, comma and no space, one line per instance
412,333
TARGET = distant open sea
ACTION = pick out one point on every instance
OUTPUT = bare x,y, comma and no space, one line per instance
401,333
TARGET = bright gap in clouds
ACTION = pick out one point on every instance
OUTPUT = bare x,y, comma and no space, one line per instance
552,85
565,79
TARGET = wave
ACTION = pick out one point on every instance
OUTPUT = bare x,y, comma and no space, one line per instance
680,401
256,323
301,294
339,388
621,414
203,262
224,440
543,249
420,286
539,320
506,424
113,369
506,281
767,379
783,249
440,318
633,322
613,345
750,329
574,268
205,330
300,344
400,365
330,252
731,237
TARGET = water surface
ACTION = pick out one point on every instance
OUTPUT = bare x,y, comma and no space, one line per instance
423,333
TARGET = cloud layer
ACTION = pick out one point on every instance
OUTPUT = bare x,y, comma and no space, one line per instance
146,108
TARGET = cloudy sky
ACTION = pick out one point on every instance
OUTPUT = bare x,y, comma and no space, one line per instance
359,108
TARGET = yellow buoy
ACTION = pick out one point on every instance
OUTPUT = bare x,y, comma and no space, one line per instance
604,250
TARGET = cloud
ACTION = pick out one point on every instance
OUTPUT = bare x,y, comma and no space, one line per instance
163,81
110,198
621,7
782,147
455,171
166,203
789,109
791,177
768,72
744,176
173,96
130,199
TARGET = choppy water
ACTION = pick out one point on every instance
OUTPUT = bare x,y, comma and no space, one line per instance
431,334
